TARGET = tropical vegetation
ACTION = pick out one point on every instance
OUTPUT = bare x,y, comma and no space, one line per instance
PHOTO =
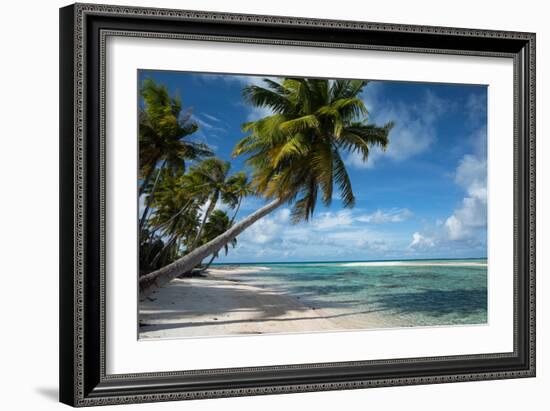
294,156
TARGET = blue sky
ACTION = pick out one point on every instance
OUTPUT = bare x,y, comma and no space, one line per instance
425,197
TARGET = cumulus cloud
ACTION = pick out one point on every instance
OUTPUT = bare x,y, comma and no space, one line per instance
339,234
471,174
346,217
330,220
266,230
476,108
467,225
455,228
420,241
283,216
414,130
394,215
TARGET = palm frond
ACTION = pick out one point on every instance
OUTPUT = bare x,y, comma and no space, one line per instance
295,154
342,180
305,206
371,134
350,108
296,145
299,124
343,88
262,97
323,165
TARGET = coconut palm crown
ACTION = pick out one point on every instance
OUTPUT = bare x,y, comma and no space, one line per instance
296,153
164,132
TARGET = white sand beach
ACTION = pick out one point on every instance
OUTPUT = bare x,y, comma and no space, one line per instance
221,304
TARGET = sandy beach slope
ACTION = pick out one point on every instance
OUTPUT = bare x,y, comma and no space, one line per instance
224,304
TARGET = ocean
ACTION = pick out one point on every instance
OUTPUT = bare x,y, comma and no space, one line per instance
406,293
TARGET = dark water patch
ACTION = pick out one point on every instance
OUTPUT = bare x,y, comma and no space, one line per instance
390,286
416,276
326,290
307,274
435,302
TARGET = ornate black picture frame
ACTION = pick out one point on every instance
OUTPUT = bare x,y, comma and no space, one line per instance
83,30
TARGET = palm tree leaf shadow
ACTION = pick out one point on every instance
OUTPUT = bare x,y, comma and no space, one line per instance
157,327
226,300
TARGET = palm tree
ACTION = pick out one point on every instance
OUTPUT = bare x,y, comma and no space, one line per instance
173,222
295,154
211,174
217,224
175,219
163,133
176,195
239,187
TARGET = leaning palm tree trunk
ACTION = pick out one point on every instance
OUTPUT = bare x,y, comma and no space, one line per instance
210,208
207,266
150,198
164,249
159,278
165,224
236,211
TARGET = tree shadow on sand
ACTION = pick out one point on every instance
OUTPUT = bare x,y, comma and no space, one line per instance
157,327
184,305
179,301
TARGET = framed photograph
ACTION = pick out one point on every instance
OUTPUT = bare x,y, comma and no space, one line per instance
259,205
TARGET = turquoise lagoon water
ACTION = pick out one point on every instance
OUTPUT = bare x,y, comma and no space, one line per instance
407,293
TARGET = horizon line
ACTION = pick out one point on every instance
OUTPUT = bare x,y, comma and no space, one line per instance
351,261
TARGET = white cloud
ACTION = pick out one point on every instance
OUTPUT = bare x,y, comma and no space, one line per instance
207,125
455,228
330,220
211,118
476,108
253,113
232,78
283,216
267,229
356,160
466,227
262,231
202,209
329,235
471,174
251,80
420,241
394,215
378,246
346,218
414,129
256,113
141,205
251,203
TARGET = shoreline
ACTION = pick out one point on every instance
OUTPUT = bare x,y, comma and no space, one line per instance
407,261
221,304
